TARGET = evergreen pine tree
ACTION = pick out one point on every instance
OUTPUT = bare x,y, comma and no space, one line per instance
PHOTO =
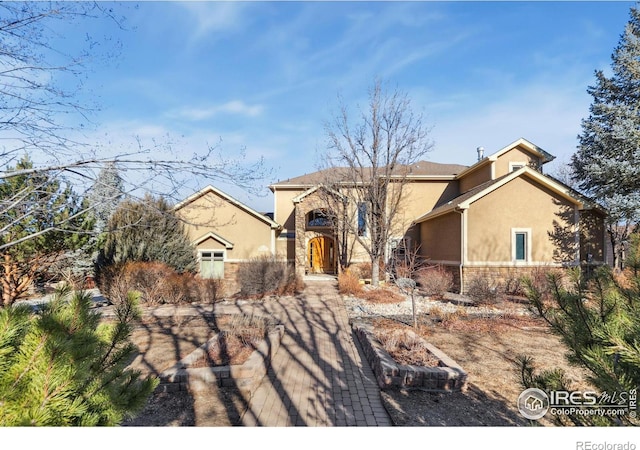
105,194
66,367
607,163
147,230
599,322
40,220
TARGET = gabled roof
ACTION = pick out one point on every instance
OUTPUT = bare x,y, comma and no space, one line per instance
419,170
216,237
212,190
529,146
544,156
465,200
299,198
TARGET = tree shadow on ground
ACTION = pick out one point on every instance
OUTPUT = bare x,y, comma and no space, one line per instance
317,376
474,407
163,340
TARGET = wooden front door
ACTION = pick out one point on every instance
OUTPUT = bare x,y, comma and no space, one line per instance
321,254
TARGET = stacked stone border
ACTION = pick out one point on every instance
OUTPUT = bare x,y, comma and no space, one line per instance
246,377
447,377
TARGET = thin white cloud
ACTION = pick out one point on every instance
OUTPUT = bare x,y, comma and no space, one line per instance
234,107
215,17
548,116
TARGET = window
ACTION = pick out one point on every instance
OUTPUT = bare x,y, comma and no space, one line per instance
212,264
521,246
362,219
513,166
318,218
521,250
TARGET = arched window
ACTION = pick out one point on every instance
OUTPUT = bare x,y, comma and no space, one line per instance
318,218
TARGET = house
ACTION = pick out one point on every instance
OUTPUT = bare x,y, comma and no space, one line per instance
500,217
225,232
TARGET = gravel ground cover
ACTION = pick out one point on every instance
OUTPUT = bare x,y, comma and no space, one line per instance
485,341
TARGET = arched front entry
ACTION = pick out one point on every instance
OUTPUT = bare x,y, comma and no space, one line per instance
321,255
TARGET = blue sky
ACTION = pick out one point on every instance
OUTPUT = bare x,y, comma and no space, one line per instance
266,75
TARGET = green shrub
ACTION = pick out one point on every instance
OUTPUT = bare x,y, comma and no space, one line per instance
147,230
65,367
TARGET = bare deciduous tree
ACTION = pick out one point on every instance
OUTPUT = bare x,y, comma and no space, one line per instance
42,115
369,162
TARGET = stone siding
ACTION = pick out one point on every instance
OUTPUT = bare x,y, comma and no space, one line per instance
505,275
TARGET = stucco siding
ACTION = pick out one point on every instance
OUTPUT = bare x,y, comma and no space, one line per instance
284,207
592,237
420,197
475,178
440,238
210,213
516,155
524,205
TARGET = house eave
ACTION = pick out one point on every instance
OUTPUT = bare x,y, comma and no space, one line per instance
211,189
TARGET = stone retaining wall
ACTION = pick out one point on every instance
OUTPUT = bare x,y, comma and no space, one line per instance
246,377
447,377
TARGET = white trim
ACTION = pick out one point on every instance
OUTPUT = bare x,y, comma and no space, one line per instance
537,176
529,146
464,236
230,199
237,260
576,231
493,170
299,198
273,241
511,264
443,262
527,243
527,171
216,237
308,186
520,165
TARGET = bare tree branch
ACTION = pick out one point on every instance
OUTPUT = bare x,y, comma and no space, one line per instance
369,162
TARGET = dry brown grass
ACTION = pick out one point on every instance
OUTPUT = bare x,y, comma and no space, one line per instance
487,349
158,284
238,338
406,347
380,295
163,341
447,317
434,281
349,283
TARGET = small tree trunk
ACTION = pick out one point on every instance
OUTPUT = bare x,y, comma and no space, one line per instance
15,280
375,271
413,310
